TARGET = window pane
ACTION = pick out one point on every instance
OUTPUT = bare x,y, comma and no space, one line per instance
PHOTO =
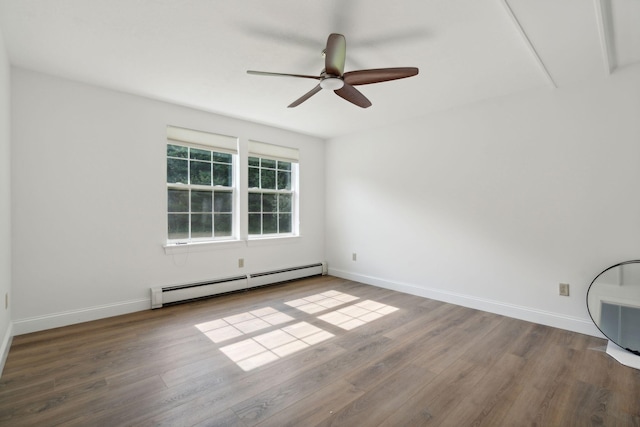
222,224
222,175
223,201
284,180
201,201
221,157
201,225
255,202
254,161
177,171
268,178
284,223
284,203
255,224
178,226
269,223
269,203
254,178
176,151
200,154
200,173
268,163
178,200
191,209
284,166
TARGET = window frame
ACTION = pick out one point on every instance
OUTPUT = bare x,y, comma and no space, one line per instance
293,192
241,150
275,152
212,143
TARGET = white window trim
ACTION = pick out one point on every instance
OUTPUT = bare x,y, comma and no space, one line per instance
210,142
211,245
204,246
287,154
295,184
242,150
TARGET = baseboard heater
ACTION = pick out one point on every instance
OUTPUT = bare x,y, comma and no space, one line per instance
171,295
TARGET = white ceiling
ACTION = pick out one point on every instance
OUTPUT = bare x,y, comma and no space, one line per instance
196,52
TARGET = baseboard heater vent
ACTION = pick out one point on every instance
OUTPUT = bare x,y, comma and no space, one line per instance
286,274
177,294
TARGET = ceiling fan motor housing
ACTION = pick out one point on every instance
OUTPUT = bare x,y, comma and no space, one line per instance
331,83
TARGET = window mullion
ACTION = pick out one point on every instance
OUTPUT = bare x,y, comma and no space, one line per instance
189,222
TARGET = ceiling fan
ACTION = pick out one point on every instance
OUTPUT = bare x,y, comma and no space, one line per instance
334,78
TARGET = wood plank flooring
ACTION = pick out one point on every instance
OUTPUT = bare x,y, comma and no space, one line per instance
320,351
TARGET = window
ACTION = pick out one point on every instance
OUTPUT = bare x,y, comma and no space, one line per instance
270,196
200,186
272,184
205,192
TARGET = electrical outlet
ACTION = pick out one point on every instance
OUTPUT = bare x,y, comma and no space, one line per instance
240,262
354,257
563,289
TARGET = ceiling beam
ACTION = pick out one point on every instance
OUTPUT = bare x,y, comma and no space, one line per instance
528,43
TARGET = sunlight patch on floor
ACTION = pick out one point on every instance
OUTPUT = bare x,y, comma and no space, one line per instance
262,349
224,329
358,314
320,302
257,350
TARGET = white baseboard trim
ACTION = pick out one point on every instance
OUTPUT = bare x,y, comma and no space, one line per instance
6,345
570,323
65,318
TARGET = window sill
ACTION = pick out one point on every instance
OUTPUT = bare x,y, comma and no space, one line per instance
182,248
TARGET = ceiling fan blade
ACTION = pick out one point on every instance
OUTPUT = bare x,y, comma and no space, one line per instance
365,77
266,73
335,54
305,96
353,95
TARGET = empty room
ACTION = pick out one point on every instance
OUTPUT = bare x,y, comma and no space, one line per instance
195,231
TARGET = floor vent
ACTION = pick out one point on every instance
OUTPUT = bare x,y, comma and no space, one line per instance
177,294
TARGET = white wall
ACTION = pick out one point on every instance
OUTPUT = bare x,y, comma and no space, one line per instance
5,204
490,206
89,202
493,205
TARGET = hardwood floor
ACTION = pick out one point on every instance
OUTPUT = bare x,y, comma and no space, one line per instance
302,354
